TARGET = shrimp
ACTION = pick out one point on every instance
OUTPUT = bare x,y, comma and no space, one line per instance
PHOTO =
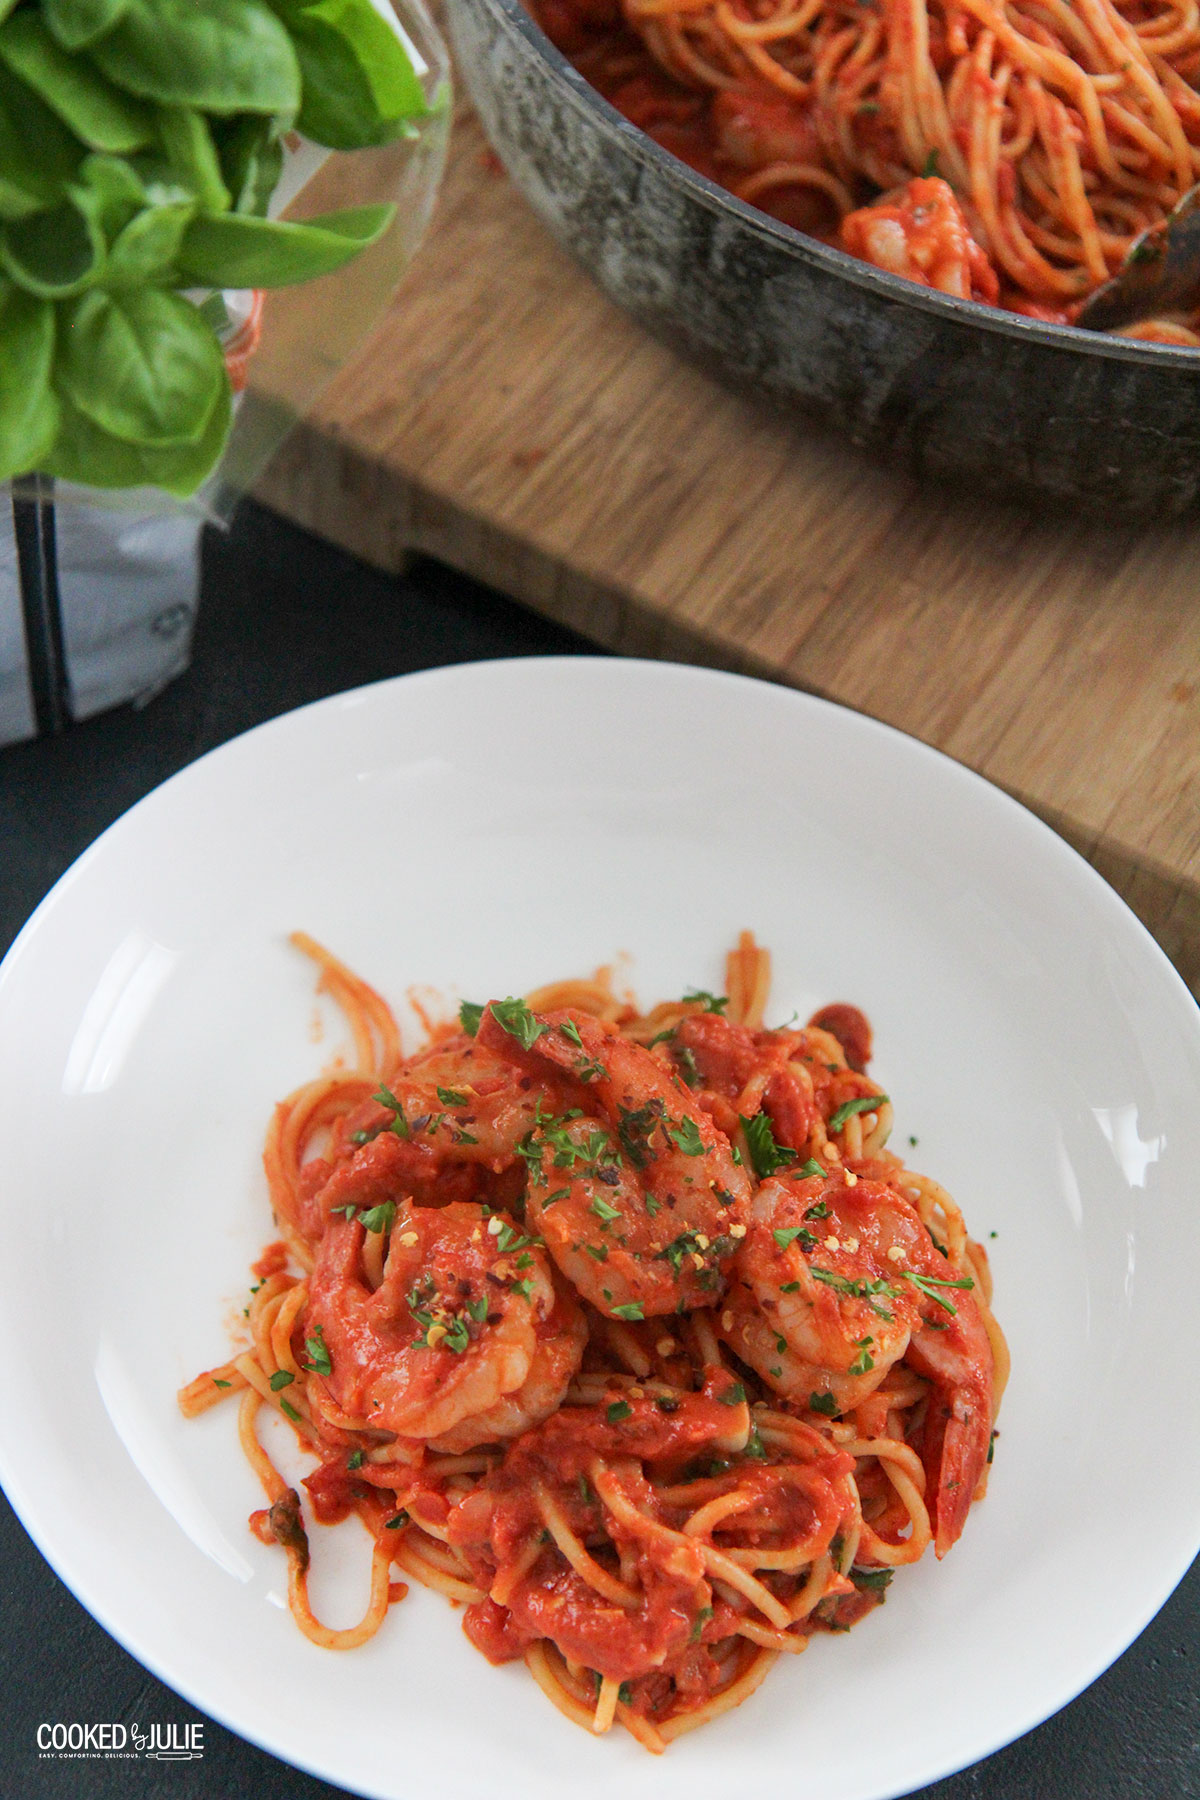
453,1329
920,231
458,1103
635,1192
562,1336
756,126
836,1282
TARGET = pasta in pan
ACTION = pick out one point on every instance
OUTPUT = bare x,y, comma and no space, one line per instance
1013,153
623,1330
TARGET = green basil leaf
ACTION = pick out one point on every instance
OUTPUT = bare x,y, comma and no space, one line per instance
222,56
29,412
189,148
79,22
236,251
84,453
359,87
38,155
142,364
98,113
183,469
109,189
251,156
161,183
146,250
55,253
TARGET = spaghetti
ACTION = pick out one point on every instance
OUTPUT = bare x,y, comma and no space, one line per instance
624,1331
1009,151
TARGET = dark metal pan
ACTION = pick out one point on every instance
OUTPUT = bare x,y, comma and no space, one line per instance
948,387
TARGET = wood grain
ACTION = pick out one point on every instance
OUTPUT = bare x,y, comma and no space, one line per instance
509,420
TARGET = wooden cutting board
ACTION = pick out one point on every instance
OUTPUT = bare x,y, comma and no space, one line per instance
509,420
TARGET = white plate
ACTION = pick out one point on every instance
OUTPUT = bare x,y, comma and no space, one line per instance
482,829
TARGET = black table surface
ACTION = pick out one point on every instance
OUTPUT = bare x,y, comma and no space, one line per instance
286,619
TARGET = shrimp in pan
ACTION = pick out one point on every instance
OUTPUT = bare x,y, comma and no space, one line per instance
636,1194
839,1280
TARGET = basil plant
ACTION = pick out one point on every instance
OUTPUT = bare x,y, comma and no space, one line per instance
140,144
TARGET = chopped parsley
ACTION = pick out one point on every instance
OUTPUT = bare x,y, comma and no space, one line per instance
811,1167
571,1032
603,1210
451,1097
865,1103
318,1353
686,1135
819,1211
864,1362
733,1396
379,1218
872,1581
286,1407
599,1252
217,1382
674,1252
823,1403
929,1284
789,1234
858,1290
469,1017
559,1194
635,1127
701,1620
510,1238
396,1521
618,1410
687,1066
632,1311
280,1379
354,1460
457,1335
515,1017
399,1123
755,1446
713,1003
766,1155
595,1153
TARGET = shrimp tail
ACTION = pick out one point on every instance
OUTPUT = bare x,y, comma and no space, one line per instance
954,1452
958,1423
